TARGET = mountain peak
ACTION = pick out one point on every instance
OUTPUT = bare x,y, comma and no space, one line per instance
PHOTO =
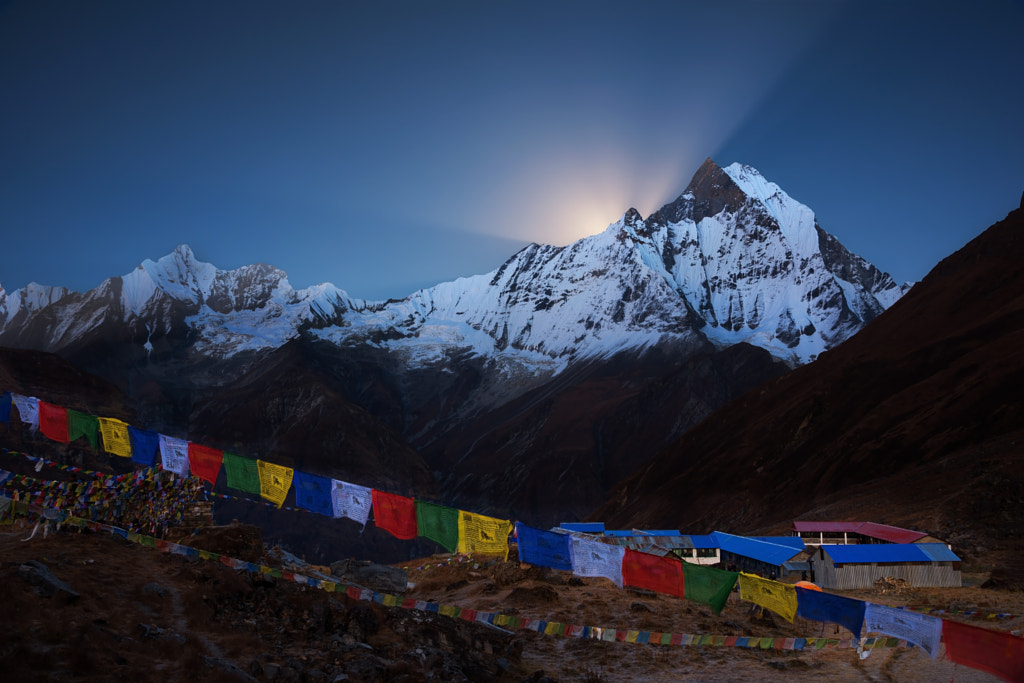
711,190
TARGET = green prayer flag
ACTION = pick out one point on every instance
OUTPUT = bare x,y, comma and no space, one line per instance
438,523
707,585
83,424
242,473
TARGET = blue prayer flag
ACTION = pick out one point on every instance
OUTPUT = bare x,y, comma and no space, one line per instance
834,609
145,445
313,493
5,407
543,548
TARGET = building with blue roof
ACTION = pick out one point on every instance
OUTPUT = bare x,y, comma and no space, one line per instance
860,566
755,556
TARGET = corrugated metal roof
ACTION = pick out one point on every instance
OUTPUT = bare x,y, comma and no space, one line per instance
769,553
890,552
703,541
939,552
883,532
820,527
893,534
791,541
645,541
584,527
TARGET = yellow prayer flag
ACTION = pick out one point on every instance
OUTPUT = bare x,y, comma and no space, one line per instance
115,437
483,535
275,480
778,597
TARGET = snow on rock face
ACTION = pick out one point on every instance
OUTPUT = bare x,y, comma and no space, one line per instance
732,259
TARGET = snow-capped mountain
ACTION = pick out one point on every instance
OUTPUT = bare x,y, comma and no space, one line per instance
546,380
733,259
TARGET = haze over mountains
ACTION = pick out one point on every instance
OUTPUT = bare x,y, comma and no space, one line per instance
529,391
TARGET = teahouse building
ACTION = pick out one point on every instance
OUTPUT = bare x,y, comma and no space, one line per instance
858,566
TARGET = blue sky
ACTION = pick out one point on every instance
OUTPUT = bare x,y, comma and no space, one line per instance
388,146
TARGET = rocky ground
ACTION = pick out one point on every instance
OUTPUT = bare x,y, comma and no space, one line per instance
88,606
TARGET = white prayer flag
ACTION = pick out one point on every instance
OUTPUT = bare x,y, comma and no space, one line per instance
591,558
351,500
922,630
174,455
28,408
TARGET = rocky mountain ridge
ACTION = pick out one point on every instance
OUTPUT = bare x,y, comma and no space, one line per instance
734,274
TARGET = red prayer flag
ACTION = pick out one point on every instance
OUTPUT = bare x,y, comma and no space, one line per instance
997,652
204,462
53,422
660,574
395,514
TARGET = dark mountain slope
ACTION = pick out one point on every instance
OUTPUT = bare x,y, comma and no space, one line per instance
547,456
917,420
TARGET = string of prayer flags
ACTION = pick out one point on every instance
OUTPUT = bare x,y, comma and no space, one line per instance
483,535
53,422
707,585
777,597
652,572
997,652
313,493
543,548
438,523
592,558
5,407
204,462
174,455
829,608
275,480
395,514
28,409
922,630
352,501
242,473
115,437
145,445
83,424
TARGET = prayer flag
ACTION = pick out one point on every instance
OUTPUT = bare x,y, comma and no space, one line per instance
275,480
922,630
204,462
543,548
483,535
835,609
352,501
145,445
592,558
439,523
115,437
778,597
707,585
5,407
242,473
53,421
395,514
174,455
997,652
83,424
313,493
659,574
28,409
